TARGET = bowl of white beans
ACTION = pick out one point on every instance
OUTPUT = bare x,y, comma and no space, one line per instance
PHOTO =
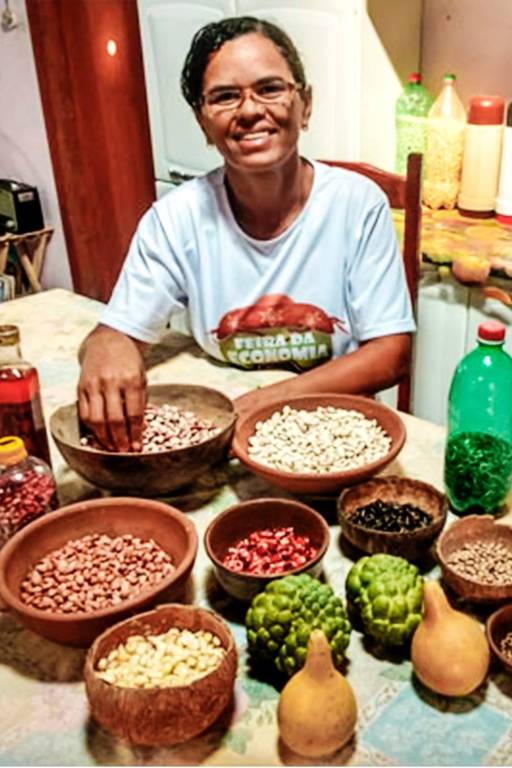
319,443
162,677
187,430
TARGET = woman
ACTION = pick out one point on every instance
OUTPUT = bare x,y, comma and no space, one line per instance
278,259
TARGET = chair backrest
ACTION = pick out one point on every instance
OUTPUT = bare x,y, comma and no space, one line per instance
403,192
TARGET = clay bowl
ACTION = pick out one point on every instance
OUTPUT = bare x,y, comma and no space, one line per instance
161,716
398,490
150,474
327,483
498,625
466,531
144,518
239,521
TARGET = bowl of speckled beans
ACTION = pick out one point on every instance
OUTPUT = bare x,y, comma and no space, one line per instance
74,572
498,629
475,554
187,430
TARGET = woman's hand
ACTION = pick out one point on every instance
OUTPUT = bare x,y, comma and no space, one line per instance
112,388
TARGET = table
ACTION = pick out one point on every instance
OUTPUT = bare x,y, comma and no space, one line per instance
43,708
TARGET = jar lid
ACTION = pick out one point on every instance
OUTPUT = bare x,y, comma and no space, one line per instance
9,334
12,450
486,110
491,330
414,77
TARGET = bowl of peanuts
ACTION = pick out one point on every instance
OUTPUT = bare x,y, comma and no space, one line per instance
318,443
475,553
162,677
498,629
74,572
256,541
187,430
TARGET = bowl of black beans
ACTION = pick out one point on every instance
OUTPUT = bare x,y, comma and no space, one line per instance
395,515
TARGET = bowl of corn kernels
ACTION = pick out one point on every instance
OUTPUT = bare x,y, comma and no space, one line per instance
318,443
187,430
162,677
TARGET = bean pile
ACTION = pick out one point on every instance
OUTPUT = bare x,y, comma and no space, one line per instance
326,439
167,427
270,551
23,501
176,657
94,572
489,562
506,646
394,518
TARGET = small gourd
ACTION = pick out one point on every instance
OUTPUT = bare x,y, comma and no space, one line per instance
449,651
317,710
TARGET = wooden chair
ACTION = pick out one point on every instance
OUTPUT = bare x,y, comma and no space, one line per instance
404,192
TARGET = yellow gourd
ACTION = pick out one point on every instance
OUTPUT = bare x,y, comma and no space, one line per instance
449,652
317,710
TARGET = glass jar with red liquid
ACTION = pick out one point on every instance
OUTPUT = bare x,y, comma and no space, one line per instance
21,412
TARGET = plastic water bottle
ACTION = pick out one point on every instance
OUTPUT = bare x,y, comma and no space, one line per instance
412,108
478,456
445,146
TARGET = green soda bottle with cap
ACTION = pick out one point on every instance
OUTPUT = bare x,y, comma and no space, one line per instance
411,110
478,455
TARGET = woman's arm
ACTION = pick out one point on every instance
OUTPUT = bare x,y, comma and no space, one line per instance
112,388
377,364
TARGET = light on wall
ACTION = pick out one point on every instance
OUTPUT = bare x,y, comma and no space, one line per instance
111,47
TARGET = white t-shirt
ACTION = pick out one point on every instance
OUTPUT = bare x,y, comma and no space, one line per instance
334,278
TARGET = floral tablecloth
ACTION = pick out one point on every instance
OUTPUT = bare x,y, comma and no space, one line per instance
44,716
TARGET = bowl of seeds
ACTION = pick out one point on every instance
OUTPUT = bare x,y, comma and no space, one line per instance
498,629
188,429
74,572
318,443
396,515
162,677
475,554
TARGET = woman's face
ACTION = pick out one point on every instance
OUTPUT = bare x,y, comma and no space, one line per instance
253,136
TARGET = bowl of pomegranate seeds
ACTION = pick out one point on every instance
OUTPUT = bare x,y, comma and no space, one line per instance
256,541
187,430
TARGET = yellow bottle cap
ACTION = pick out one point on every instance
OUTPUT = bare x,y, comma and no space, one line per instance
12,450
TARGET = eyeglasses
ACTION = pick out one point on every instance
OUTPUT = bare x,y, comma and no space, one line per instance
273,91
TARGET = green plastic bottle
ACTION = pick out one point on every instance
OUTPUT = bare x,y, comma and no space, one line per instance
412,108
478,456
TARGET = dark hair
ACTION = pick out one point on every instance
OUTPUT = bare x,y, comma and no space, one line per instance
212,36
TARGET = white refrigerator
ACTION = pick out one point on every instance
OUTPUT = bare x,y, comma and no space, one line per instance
356,54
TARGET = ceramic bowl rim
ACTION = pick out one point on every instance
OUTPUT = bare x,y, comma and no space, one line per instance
70,510
252,578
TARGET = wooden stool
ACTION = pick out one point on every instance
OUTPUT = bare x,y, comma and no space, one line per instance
30,249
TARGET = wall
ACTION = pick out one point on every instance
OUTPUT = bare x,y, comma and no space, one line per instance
24,152
472,38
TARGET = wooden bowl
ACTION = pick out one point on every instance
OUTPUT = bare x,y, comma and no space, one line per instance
239,521
328,483
399,490
498,625
167,526
464,531
150,474
161,716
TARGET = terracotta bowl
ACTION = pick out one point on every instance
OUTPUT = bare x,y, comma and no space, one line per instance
328,483
150,474
399,490
498,625
167,526
239,521
464,531
161,716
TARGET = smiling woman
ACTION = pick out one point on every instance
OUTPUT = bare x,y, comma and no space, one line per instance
278,259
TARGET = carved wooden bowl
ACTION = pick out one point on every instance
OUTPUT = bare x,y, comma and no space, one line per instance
399,490
161,716
150,474
498,626
327,483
